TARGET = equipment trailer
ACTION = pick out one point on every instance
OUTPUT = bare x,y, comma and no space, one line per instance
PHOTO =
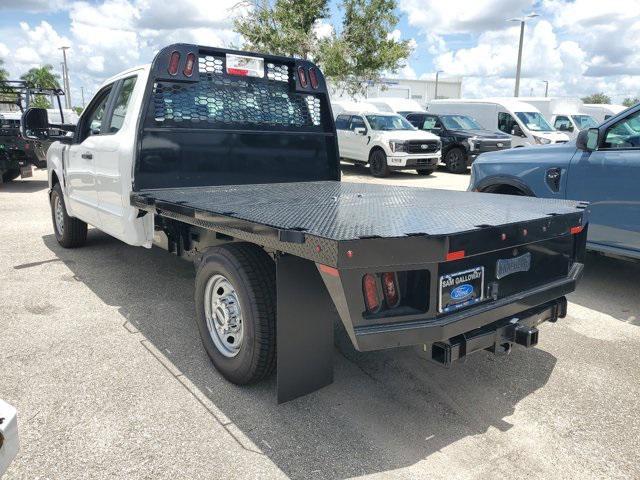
230,158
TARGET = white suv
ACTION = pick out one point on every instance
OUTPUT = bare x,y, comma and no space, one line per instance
386,141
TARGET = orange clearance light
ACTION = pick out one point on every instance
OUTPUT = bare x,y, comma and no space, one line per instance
457,255
575,230
329,270
370,291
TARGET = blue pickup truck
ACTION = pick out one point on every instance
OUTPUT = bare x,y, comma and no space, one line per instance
602,167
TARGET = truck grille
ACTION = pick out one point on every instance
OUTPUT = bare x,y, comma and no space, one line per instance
423,146
493,144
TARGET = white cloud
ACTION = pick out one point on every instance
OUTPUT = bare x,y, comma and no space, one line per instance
4,50
27,56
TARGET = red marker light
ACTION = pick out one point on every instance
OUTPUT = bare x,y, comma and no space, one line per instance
302,77
457,255
190,63
174,60
575,230
243,72
370,291
313,78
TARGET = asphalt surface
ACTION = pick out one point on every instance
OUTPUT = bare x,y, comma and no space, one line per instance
100,354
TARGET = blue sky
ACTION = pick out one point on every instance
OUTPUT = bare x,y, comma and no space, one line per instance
578,46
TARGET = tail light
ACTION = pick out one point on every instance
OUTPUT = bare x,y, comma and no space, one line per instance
370,291
189,65
313,78
173,63
302,77
390,289
575,230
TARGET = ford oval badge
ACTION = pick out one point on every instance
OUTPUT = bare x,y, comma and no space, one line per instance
461,292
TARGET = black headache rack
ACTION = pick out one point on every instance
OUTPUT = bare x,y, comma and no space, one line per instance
328,236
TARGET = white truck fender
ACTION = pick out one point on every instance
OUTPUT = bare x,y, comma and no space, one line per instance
9,444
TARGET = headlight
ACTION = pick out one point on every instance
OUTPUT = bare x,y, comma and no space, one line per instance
541,140
398,146
472,142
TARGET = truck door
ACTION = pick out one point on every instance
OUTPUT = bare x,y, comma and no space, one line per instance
609,178
359,137
343,132
82,194
108,171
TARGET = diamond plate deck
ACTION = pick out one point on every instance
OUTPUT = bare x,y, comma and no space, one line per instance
342,211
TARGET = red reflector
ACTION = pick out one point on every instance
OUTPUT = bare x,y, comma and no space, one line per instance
576,230
188,66
457,255
238,71
329,270
302,77
390,289
173,63
313,78
370,291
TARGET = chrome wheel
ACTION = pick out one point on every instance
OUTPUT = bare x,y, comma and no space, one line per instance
58,214
223,315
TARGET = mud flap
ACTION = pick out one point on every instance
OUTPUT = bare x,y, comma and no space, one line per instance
304,329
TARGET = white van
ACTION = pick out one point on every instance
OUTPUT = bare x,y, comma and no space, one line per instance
524,122
565,114
340,106
395,105
602,111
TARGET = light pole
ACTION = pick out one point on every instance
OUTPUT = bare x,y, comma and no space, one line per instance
522,22
435,95
546,88
65,80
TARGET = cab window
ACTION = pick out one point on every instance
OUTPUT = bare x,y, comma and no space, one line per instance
342,122
506,122
92,121
430,122
357,122
563,124
624,134
121,104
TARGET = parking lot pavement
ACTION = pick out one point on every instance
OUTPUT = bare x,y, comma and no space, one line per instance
100,355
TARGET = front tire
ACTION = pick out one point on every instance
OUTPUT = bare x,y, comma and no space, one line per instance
378,163
70,232
10,175
236,311
456,161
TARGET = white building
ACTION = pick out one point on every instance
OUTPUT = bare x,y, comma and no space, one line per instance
420,90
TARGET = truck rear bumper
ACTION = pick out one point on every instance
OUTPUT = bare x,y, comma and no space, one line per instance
521,305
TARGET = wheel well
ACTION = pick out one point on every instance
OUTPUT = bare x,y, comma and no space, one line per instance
54,179
376,148
506,190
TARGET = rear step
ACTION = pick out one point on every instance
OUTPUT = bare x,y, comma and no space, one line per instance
498,337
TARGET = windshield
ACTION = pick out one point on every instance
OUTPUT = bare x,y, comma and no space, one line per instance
460,122
584,121
535,122
389,122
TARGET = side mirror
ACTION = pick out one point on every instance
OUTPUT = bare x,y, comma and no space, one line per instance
360,130
34,123
517,131
588,140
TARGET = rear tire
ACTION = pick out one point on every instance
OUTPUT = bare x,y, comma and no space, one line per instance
10,175
456,161
236,311
70,232
425,171
378,163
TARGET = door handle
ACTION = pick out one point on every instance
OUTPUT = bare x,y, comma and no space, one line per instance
87,156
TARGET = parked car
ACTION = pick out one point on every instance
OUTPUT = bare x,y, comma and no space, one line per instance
602,111
565,114
386,141
462,137
523,122
602,167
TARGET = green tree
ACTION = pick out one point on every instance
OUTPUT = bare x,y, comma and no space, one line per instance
596,98
630,102
78,110
286,28
358,54
4,75
41,77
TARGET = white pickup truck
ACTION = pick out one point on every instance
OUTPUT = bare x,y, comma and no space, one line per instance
230,159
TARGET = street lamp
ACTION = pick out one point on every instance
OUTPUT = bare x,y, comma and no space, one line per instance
546,88
65,78
435,96
522,21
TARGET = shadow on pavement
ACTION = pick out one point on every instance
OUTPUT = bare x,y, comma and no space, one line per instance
385,410
24,186
610,286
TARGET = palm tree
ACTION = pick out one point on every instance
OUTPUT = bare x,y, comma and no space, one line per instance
41,77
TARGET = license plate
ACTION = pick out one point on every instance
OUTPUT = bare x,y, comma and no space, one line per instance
245,66
507,266
461,289
26,172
